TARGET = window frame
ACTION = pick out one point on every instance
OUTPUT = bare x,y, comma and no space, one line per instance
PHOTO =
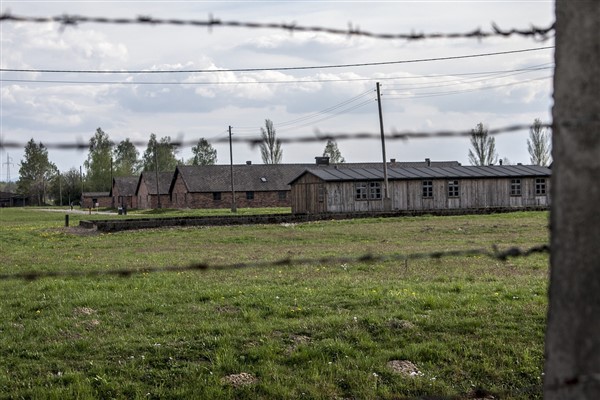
282,195
427,189
453,189
374,190
217,196
540,187
516,187
361,191
250,195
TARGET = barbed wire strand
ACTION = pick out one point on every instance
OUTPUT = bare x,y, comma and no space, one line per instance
352,30
317,137
494,253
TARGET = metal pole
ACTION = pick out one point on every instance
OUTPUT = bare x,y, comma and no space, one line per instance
233,206
386,197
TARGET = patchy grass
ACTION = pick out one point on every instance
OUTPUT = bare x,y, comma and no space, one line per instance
467,325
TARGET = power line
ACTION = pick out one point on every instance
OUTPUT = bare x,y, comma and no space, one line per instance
298,68
295,81
437,94
74,20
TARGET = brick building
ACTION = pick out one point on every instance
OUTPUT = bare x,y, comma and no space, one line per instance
152,195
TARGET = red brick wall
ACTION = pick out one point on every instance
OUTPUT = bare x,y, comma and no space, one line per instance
261,199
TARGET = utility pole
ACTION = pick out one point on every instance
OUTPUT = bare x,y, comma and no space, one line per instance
156,172
81,180
233,207
387,204
60,202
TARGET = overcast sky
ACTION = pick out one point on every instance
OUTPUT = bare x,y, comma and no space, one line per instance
497,90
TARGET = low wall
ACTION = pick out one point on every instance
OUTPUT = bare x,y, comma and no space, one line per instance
115,225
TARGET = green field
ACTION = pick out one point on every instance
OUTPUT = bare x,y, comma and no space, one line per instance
321,330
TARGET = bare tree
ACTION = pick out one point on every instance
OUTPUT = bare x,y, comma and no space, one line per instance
538,144
333,152
484,147
270,148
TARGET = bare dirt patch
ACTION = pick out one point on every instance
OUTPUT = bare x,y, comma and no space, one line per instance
238,380
404,367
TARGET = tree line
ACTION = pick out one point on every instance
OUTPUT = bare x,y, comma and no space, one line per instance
40,179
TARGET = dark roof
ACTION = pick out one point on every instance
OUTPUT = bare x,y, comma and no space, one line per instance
149,179
126,185
461,172
254,177
263,177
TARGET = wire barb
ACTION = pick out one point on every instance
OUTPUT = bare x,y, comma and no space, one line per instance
369,258
73,20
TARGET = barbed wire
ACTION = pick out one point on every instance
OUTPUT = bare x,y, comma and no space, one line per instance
494,253
66,20
317,137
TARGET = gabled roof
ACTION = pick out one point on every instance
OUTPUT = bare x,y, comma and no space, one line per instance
262,177
332,174
149,179
217,178
126,185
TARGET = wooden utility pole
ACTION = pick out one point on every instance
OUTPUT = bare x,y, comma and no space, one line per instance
572,369
156,172
387,203
233,206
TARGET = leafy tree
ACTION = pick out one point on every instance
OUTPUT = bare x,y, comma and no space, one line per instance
204,153
67,185
484,147
163,152
333,152
538,144
35,172
270,148
98,163
126,158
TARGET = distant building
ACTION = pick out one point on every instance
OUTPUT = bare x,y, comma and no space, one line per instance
123,192
333,189
96,199
209,186
8,199
150,194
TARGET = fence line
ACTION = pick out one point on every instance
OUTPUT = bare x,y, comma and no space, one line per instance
317,137
494,253
74,20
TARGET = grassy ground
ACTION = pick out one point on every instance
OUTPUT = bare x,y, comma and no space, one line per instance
471,325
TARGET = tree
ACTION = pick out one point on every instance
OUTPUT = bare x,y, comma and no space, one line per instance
204,153
333,152
35,172
270,148
126,158
484,147
67,185
538,144
163,152
98,163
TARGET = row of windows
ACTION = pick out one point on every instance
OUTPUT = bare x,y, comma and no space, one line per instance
454,188
372,190
281,195
367,191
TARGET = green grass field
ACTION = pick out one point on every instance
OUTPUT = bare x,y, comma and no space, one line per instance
471,325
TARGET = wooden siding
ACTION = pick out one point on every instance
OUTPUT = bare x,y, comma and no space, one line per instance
408,195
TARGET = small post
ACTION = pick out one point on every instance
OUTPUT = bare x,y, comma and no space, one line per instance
66,220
